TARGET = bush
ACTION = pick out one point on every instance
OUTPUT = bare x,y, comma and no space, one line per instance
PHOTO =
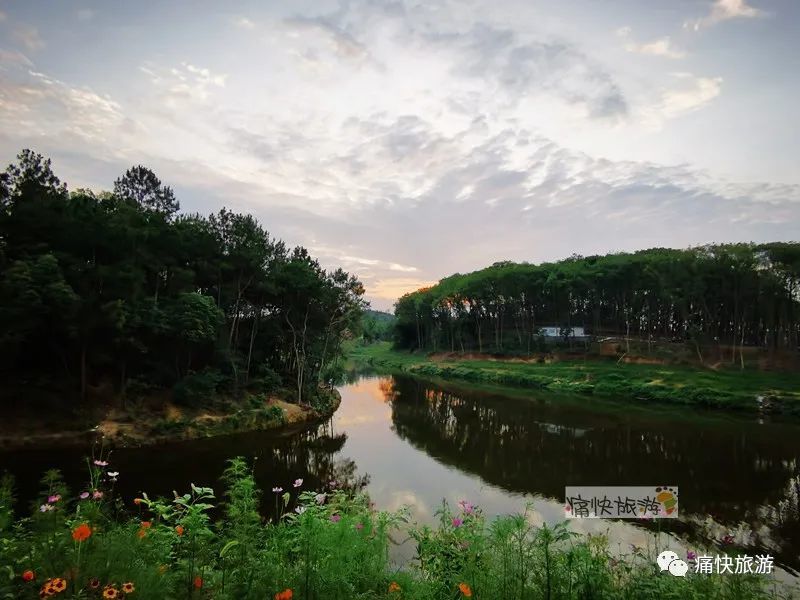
198,388
331,545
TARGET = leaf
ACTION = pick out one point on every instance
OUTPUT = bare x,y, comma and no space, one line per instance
227,547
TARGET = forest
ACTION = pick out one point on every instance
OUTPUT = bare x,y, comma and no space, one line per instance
117,289
724,296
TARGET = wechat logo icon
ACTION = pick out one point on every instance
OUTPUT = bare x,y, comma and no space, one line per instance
669,561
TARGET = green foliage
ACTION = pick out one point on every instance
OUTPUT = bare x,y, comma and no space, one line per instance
120,286
333,545
722,296
198,388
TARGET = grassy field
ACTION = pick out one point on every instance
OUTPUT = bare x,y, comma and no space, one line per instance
724,389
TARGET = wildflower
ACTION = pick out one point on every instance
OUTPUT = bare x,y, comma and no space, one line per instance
128,587
336,518
690,555
113,475
277,490
81,532
94,583
137,501
320,498
84,495
46,508
141,533
97,494
54,499
162,569
466,591
359,526
300,510
59,585
284,595
179,530
110,592
466,507
297,483
727,539
394,587
198,582
457,522
28,576
333,483
101,463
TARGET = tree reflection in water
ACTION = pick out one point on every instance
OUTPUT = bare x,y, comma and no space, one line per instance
734,475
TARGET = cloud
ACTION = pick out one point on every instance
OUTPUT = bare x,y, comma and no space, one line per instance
29,37
13,58
724,10
3,16
85,14
244,23
660,47
186,82
693,94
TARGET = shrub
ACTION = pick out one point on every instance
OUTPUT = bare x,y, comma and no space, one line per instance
198,388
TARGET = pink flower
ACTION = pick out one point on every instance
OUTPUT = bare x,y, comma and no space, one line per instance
97,494
466,507
101,463
359,526
690,555
336,518
457,522
54,499
320,498
84,495
297,483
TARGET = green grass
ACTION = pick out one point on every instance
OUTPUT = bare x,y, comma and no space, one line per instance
333,546
723,389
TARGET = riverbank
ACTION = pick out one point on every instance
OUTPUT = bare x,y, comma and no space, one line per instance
747,391
145,423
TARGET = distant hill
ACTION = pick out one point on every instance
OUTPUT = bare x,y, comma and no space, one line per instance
380,316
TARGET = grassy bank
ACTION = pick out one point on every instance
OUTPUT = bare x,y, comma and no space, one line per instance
332,545
152,420
734,389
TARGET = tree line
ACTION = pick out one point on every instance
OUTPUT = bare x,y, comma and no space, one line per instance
732,295
120,286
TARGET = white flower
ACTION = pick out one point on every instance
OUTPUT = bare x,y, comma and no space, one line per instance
300,510
320,498
298,483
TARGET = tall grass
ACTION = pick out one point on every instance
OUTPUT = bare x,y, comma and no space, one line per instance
330,545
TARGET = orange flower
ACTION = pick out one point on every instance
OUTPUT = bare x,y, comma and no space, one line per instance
198,582
465,590
162,569
128,587
137,501
28,575
284,595
110,592
141,533
179,530
81,532
146,524
394,587
59,585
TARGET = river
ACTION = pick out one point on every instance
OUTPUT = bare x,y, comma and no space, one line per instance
413,442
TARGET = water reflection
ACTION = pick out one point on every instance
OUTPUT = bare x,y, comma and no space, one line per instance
735,476
415,443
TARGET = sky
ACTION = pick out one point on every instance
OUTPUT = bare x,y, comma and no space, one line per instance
405,141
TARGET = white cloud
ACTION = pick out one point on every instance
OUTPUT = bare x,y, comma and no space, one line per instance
723,10
85,14
660,47
244,23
